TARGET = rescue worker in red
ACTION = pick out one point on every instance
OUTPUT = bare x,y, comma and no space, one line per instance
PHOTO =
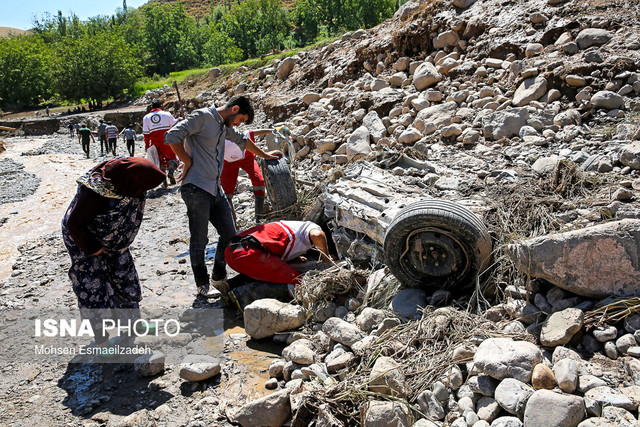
263,252
235,159
154,125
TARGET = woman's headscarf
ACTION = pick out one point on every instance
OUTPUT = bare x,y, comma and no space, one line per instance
131,176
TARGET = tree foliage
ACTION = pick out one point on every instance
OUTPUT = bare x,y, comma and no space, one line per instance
257,26
25,71
95,67
101,58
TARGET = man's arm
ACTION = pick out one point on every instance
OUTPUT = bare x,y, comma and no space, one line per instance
184,157
253,148
319,239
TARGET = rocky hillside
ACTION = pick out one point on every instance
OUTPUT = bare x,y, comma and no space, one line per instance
528,112
528,108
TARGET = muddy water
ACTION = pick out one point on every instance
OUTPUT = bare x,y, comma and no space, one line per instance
162,260
40,213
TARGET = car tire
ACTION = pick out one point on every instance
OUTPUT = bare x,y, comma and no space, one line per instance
279,184
437,244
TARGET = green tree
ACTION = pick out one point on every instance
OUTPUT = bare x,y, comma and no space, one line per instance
217,47
257,26
169,38
95,67
25,71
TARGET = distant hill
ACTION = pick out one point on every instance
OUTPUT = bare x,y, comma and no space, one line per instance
5,31
202,7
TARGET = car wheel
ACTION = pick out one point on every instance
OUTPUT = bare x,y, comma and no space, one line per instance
279,184
437,244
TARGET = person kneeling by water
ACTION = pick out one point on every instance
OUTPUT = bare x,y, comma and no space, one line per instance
263,252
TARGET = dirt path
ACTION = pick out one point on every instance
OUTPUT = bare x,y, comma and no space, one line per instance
33,278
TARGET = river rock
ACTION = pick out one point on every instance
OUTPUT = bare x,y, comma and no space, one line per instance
598,261
504,358
512,395
592,37
607,100
482,384
561,326
386,414
299,351
408,302
506,123
487,408
387,377
605,333
370,318
609,396
199,367
430,406
409,135
566,372
264,317
272,410
530,90
342,331
426,75
550,409
543,377
506,422
149,364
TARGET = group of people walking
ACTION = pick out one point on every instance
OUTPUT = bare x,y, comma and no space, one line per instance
107,134
106,213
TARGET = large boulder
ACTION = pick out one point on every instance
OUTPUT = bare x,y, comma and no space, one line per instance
387,377
512,395
550,409
264,317
630,155
504,358
530,90
358,145
598,261
426,75
503,124
386,414
374,124
272,410
439,114
607,100
561,326
593,37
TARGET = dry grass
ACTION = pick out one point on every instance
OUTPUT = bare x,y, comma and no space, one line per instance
527,209
612,312
318,287
424,350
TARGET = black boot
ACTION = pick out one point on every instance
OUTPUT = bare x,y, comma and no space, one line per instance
259,208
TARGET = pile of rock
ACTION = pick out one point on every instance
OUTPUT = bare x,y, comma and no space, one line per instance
558,376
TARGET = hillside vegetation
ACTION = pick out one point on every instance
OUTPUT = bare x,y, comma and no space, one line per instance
66,59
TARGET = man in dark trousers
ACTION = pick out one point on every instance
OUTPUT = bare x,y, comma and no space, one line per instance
102,137
199,142
84,133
